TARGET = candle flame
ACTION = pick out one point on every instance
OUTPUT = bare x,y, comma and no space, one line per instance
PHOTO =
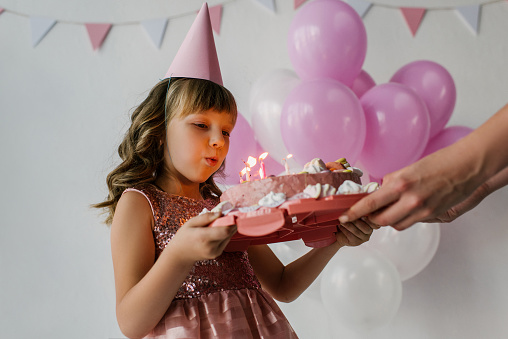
263,156
251,161
289,156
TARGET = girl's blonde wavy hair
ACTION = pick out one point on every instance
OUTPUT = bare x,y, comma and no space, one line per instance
142,149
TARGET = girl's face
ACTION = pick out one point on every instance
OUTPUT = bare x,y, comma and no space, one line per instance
197,145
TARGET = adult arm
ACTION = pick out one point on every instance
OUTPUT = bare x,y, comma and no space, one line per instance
440,181
493,184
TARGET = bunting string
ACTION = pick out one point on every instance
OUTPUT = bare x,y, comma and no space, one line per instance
156,27
430,8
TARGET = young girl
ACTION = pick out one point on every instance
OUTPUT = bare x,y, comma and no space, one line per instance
172,278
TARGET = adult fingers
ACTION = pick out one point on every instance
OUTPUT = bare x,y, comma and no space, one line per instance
371,203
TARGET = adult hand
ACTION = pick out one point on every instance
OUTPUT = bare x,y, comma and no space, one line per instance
408,196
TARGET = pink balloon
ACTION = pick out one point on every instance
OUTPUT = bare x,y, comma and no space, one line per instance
445,138
398,127
434,85
241,144
327,39
322,119
362,83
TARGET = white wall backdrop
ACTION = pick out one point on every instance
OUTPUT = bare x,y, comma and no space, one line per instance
65,107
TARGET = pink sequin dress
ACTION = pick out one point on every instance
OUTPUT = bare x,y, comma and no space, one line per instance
220,298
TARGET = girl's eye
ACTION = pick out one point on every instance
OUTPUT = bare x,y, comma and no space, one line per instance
225,133
200,125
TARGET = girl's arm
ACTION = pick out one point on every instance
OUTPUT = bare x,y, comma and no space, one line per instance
144,289
286,283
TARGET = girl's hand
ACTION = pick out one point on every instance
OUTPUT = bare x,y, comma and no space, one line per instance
197,241
355,233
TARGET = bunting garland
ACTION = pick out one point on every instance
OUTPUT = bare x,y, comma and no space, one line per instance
269,4
215,17
471,14
97,32
156,28
360,6
298,3
40,27
414,16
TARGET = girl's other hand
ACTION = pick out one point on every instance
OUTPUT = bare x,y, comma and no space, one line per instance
197,241
355,233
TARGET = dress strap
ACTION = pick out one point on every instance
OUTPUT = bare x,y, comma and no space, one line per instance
144,194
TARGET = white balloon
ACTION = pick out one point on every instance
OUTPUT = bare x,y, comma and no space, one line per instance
267,97
410,250
361,289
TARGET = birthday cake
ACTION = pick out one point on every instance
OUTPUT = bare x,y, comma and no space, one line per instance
294,206
317,180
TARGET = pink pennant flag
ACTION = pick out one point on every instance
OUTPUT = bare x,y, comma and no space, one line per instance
413,17
97,34
298,3
215,17
1,10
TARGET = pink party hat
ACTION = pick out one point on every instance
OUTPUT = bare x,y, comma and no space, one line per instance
197,57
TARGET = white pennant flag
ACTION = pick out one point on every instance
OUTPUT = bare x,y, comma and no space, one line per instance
270,4
155,29
472,16
360,6
40,27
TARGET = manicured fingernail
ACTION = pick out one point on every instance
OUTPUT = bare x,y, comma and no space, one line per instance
343,219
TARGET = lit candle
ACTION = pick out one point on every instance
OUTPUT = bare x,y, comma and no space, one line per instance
251,161
262,170
286,165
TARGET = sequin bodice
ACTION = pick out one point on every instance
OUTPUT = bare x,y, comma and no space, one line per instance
230,271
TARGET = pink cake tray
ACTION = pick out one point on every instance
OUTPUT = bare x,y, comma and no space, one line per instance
312,220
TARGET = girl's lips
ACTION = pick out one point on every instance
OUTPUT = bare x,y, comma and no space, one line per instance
211,161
